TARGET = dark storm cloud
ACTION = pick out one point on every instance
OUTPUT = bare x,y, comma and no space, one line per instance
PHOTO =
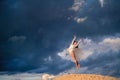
46,26
37,24
100,21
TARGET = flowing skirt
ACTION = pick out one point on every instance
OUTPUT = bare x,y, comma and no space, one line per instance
78,53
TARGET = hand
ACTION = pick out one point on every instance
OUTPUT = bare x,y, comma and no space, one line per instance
74,36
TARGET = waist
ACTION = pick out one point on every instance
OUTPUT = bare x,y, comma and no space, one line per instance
72,48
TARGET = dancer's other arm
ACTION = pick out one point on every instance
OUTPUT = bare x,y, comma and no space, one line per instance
80,40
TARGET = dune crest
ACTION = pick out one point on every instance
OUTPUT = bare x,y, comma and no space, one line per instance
85,77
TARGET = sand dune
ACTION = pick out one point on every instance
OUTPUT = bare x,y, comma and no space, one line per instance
85,77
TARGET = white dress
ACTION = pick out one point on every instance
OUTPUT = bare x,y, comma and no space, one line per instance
77,51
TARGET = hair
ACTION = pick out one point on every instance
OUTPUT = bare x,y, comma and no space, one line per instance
76,47
74,42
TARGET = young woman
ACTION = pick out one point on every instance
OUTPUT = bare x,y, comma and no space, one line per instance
71,50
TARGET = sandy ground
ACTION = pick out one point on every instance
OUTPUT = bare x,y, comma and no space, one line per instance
85,77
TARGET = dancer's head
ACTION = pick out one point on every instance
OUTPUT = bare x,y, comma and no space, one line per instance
75,42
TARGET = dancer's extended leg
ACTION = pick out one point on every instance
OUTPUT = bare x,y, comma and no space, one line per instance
72,54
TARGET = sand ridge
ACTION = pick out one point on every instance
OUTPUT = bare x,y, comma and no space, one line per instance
85,77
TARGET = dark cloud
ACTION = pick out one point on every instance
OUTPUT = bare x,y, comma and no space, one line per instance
34,23
45,27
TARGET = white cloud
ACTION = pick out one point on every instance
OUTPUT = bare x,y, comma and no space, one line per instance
27,76
77,5
101,3
17,38
80,20
23,76
47,77
90,47
64,54
112,44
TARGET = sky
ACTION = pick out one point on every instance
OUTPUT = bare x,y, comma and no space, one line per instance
34,36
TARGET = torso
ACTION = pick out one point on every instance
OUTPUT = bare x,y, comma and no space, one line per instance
72,48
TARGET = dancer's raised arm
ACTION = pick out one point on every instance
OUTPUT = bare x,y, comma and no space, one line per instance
73,39
80,40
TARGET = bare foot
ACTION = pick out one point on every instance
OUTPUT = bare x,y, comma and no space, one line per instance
77,65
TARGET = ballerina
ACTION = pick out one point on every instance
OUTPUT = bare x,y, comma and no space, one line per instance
73,46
